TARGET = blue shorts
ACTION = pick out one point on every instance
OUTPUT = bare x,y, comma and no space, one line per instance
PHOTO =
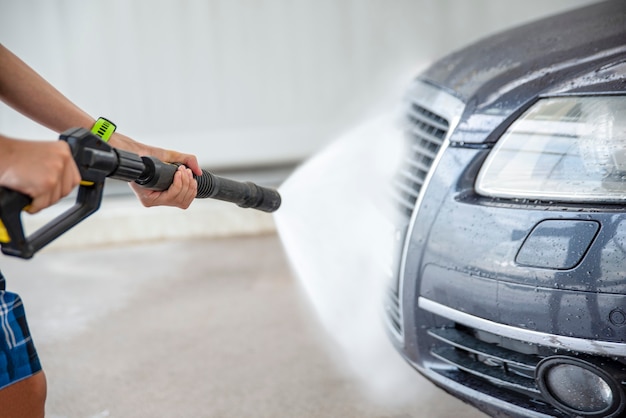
18,357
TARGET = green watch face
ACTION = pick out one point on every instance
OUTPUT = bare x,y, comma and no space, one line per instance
104,128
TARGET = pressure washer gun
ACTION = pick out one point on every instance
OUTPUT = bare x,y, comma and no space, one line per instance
97,160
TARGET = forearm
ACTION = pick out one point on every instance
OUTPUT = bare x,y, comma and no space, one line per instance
30,94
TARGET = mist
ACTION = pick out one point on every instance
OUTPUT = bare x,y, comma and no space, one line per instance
337,232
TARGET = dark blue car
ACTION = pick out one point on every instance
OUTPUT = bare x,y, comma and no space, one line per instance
509,290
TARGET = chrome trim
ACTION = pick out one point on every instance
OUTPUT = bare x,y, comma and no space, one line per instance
582,345
451,108
466,393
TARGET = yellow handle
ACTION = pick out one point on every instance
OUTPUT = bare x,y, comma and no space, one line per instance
4,235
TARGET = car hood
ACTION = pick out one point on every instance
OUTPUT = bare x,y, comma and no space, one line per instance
498,77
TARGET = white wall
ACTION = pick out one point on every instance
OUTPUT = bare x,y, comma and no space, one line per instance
241,82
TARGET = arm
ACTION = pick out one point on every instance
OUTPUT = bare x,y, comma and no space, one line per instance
30,94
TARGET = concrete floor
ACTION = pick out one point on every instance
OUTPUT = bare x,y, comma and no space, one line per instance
191,328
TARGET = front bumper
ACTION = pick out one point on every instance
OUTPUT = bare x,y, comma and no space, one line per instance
475,320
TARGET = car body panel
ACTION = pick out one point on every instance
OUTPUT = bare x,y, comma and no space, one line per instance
501,75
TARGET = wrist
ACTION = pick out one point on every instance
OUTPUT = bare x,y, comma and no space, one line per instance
7,149
121,141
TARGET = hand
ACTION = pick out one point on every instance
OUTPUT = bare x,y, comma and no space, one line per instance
43,170
184,187
180,194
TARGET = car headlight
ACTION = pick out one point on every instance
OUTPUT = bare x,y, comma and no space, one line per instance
570,149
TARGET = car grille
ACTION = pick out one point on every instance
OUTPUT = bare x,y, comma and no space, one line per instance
500,366
393,310
425,135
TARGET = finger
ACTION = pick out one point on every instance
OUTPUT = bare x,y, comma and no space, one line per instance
64,171
38,204
192,190
172,195
71,178
190,161
53,189
177,189
56,193
146,197
187,193
189,189
181,195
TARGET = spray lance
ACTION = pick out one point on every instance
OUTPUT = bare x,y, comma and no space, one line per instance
97,160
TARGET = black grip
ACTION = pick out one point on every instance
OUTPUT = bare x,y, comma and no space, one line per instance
156,175
159,176
11,205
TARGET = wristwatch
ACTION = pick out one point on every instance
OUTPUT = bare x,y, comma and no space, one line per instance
104,128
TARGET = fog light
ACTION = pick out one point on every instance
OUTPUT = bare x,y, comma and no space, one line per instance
579,387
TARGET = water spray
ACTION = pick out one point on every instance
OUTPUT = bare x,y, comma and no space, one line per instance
340,248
